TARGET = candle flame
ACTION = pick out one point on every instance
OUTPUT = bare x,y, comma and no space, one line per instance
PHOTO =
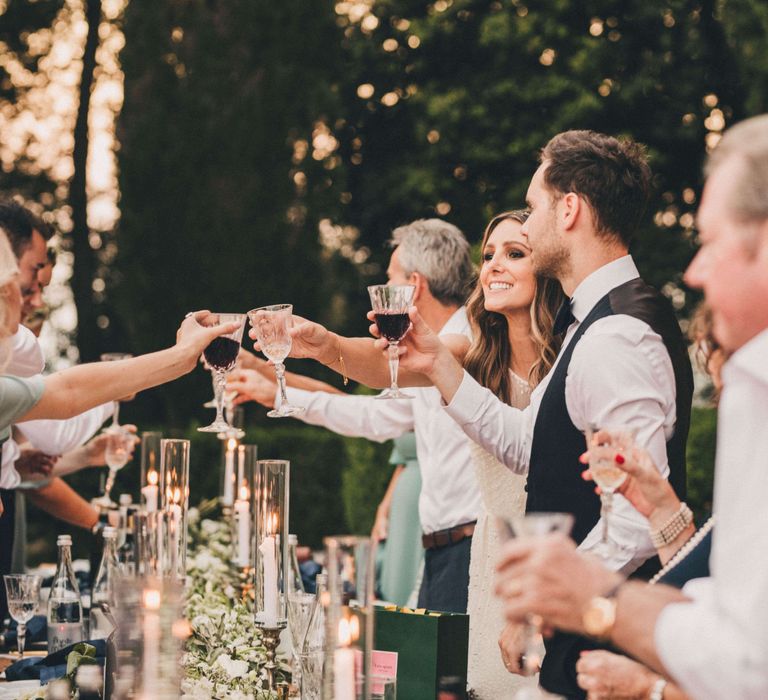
151,599
244,493
231,444
272,524
345,635
152,478
354,628
177,495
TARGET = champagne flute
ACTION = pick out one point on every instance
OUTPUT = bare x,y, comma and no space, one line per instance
390,308
528,526
221,355
112,357
119,449
603,443
271,324
23,591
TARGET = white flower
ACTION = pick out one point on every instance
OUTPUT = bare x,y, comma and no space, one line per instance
233,667
196,689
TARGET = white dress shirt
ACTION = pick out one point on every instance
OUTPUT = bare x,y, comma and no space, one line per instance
27,355
716,646
449,493
54,437
620,374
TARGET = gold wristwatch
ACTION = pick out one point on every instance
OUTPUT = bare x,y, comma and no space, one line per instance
600,614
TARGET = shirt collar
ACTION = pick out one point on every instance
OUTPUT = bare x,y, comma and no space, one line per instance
596,285
750,358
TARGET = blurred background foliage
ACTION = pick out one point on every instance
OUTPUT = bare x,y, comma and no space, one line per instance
245,152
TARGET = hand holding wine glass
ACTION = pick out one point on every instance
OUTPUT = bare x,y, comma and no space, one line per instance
390,305
531,526
271,326
221,355
603,445
117,453
23,593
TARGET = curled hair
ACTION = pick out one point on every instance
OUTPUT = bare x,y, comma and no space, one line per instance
489,357
705,345
612,175
440,252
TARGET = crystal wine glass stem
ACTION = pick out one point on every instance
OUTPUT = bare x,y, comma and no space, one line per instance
606,502
110,482
394,363
21,637
219,384
115,413
280,374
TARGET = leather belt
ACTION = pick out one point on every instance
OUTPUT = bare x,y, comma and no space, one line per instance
452,535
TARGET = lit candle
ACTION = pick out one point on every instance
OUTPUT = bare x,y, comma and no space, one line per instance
229,473
269,563
150,491
243,519
344,665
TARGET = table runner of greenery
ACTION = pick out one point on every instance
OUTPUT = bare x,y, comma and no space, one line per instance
224,655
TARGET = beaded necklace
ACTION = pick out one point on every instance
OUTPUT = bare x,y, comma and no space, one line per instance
686,549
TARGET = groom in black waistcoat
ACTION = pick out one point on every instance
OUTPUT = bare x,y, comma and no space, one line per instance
623,359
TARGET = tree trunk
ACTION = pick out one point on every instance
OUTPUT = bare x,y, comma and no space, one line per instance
85,258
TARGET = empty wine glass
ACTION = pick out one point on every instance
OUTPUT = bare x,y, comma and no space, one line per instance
23,591
300,608
390,308
221,356
603,443
271,324
528,526
119,450
112,357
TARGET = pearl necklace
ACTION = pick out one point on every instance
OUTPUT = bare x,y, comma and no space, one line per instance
686,549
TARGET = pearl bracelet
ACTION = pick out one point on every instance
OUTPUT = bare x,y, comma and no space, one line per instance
672,529
657,692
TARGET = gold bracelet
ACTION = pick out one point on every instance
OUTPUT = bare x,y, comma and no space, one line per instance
340,360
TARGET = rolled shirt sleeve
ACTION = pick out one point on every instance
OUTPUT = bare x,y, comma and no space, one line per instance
55,437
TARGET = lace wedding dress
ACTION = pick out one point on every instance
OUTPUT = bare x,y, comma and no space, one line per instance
503,494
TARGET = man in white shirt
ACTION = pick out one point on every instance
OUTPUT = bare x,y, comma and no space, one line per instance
623,359
711,637
433,256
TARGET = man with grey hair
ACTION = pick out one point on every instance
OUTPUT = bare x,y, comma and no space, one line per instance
711,637
434,257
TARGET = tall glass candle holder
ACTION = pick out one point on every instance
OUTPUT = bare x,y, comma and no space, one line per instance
228,481
244,507
271,553
150,469
174,473
349,618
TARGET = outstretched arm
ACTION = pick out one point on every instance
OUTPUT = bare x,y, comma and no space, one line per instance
74,390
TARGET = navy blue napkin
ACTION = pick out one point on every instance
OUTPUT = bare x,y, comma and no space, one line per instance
50,667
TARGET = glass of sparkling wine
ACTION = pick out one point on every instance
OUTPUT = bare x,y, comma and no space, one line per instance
119,450
390,304
527,526
271,324
23,591
603,444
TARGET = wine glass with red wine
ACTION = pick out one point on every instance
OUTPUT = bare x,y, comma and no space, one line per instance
271,324
221,356
390,304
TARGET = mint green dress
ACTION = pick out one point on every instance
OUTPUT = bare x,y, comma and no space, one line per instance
403,551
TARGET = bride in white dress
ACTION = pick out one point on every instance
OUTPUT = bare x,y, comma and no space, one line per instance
511,315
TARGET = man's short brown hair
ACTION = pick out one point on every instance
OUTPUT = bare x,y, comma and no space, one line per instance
611,174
